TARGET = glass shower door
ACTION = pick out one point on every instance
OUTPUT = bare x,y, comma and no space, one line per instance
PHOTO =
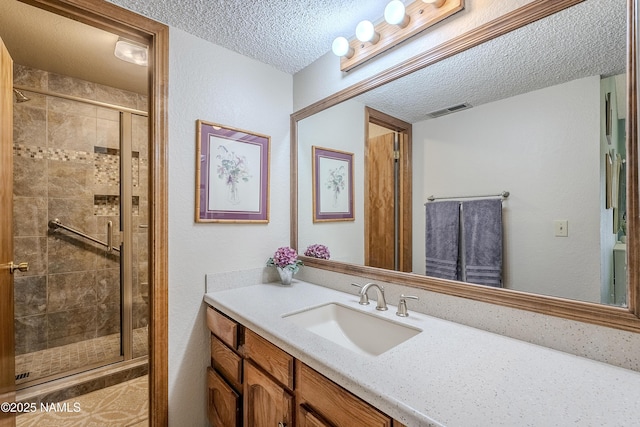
84,301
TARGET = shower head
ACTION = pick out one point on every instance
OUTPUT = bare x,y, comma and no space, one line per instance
20,97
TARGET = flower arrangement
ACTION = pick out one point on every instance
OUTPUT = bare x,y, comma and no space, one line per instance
318,251
286,258
336,182
232,169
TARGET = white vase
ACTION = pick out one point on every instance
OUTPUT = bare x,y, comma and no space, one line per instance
286,275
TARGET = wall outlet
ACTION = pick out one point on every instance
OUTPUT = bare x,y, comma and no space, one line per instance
561,227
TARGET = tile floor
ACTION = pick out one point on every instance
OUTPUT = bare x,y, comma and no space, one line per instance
43,363
122,405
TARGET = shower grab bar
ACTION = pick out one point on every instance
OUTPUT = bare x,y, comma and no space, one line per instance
55,224
503,195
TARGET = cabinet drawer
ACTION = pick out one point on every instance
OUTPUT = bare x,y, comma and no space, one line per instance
223,327
228,363
307,418
273,360
333,403
223,403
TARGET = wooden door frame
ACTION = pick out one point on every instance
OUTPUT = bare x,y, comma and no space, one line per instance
112,18
7,344
405,245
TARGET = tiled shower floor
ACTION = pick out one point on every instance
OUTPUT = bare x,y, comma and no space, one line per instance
65,358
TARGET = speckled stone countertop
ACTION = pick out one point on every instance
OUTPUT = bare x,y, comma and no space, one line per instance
447,375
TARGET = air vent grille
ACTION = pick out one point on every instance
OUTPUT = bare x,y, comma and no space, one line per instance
449,110
22,376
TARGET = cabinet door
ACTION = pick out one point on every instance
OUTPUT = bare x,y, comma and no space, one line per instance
308,419
223,406
266,402
333,403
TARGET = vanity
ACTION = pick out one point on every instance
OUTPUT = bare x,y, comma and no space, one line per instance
272,357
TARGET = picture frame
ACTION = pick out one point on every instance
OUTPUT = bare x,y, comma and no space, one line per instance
333,197
232,174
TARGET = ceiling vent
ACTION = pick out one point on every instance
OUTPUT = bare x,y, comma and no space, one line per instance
448,110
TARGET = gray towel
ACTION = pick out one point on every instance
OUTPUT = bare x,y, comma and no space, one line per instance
482,234
441,246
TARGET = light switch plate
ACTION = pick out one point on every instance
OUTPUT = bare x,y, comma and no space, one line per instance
561,227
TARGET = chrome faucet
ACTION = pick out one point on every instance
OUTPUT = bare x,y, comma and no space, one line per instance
364,298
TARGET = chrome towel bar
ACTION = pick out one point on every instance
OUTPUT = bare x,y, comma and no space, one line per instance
504,195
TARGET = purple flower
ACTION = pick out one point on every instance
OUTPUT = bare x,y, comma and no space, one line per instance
317,251
285,257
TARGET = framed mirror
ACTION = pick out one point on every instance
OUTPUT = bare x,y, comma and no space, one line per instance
540,103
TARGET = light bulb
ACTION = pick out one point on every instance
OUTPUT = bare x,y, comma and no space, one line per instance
396,14
340,47
365,32
435,3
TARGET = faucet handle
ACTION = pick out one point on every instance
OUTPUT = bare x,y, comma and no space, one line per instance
364,298
402,305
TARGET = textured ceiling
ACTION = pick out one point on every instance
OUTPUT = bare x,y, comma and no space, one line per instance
288,34
587,39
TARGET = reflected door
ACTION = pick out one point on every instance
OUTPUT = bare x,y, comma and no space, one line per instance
381,191
387,187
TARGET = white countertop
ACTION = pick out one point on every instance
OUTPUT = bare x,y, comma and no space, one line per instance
449,374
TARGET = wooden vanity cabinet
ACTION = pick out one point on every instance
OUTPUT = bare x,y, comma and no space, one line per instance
254,383
224,376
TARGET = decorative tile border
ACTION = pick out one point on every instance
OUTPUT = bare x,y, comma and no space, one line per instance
40,153
105,160
109,205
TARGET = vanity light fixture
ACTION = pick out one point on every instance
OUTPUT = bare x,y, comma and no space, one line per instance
396,14
131,51
401,21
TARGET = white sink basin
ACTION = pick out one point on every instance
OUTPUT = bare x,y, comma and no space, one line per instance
355,330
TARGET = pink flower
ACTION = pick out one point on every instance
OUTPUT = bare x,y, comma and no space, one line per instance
285,257
317,251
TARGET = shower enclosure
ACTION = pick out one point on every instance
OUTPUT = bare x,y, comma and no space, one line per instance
80,221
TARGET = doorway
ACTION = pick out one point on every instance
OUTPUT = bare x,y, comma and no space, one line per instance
387,201
126,24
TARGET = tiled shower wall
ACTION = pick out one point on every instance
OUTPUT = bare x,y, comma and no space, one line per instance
66,160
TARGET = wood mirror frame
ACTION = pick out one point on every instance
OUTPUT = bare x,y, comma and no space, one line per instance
625,318
112,18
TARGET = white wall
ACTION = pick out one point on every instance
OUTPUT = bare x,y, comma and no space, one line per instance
542,147
323,77
211,83
335,128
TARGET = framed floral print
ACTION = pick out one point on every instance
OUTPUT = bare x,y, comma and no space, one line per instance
332,185
232,174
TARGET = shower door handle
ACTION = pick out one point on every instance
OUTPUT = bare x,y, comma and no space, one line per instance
109,236
23,266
